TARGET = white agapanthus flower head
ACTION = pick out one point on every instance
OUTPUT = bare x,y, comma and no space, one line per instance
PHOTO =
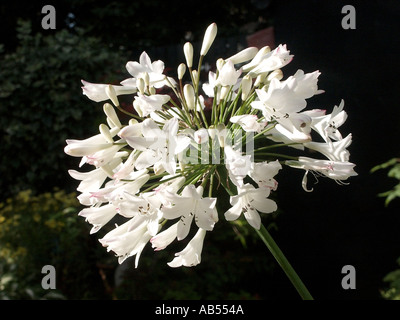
159,178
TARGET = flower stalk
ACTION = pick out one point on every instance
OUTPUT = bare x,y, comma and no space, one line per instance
284,263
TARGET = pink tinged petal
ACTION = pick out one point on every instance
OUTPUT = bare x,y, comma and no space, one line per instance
228,75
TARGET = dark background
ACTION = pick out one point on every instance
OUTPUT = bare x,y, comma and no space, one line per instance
335,225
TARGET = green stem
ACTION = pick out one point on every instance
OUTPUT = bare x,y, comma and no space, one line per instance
284,263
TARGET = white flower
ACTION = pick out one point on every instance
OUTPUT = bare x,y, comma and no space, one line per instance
263,173
98,216
91,180
249,201
238,165
146,205
334,151
97,91
327,125
163,239
145,66
306,84
191,205
191,255
126,241
158,145
144,104
228,75
249,122
335,170
266,61
209,86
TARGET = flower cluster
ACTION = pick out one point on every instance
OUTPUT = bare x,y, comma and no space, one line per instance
162,171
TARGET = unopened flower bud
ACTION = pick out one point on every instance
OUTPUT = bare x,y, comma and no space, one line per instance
140,85
201,136
244,55
111,114
158,168
224,92
188,51
220,63
194,76
221,132
132,121
246,86
181,71
146,78
212,131
276,74
112,95
259,80
105,131
188,92
208,39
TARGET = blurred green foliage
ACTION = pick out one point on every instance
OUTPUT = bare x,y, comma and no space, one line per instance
393,168
41,104
46,230
392,292
392,279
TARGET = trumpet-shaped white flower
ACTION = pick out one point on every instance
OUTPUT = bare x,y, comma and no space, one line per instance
144,105
327,125
336,170
228,75
98,216
238,165
263,173
334,151
97,91
126,241
191,255
266,61
154,70
191,205
163,239
249,201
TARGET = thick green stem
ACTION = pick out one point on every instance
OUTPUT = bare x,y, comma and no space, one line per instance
284,263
